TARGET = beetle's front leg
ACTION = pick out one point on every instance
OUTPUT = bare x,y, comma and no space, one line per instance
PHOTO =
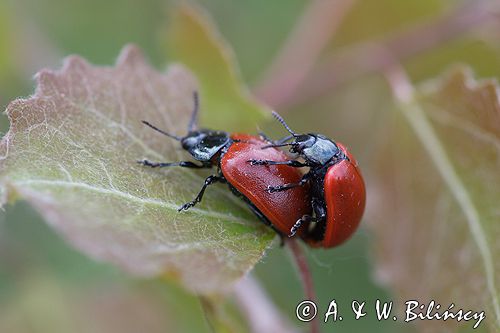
272,142
279,188
184,164
292,163
264,137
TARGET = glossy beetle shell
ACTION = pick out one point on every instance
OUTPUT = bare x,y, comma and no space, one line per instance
282,209
345,198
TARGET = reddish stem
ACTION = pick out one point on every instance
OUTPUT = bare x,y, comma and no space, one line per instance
312,32
305,276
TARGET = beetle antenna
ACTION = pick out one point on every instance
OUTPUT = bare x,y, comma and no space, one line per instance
280,119
162,132
194,116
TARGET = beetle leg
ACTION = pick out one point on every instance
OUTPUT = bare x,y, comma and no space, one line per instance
271,141
209,181
319,210
278,143
295,164
298,224
264,137
185,164
303,181
283,140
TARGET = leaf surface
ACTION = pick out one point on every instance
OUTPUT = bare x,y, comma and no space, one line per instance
437,214
71,152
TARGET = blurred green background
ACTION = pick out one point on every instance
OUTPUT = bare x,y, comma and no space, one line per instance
46,286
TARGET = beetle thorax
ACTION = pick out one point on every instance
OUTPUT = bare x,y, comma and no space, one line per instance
321,152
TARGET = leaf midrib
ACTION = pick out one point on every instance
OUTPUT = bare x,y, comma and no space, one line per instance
429,139
131,197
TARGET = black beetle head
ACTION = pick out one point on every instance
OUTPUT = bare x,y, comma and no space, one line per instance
302,142
202,144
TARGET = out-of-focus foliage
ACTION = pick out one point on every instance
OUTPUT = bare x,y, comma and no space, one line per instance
5,41
357,113
8,78
195,42
445,175
47,286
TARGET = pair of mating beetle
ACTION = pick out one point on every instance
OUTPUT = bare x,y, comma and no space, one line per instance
323,206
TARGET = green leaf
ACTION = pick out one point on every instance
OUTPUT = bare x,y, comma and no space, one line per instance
43,301
436,217
194,41
71,152
7,64
5,40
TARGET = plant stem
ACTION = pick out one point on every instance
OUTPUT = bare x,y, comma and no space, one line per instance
261,314
311,33
305,276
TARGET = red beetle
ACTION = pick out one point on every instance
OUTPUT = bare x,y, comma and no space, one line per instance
337,188
230,153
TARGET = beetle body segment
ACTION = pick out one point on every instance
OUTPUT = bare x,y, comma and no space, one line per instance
281,209
345,202
345,198
230,155
337,189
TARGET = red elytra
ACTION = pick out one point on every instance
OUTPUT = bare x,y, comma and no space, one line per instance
281,209
231,154
345,198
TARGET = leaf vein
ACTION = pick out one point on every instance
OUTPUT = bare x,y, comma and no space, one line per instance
131,197
425,133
